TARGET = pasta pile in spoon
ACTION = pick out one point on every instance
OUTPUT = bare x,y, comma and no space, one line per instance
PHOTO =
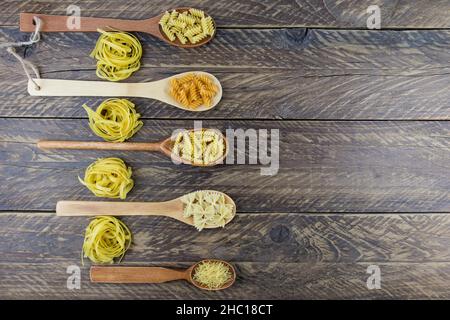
190,26
208,209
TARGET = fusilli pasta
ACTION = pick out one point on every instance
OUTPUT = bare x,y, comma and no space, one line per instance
189,26
193,90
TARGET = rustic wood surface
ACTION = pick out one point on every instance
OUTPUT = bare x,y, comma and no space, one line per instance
325,166
275,74
364,152
277,255
256,13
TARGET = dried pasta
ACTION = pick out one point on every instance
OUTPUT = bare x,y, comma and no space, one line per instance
212,274
193,90
208,209
105,239
108,178
118,55
200,147
115,120
191,26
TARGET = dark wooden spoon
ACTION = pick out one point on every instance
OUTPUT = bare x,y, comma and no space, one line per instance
53,23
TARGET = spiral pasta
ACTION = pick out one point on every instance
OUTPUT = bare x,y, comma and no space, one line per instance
105,239
200,147
115,120
191,26
118,55
108,178
193,90
207,208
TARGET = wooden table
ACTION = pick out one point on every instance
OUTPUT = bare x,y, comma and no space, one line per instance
364,174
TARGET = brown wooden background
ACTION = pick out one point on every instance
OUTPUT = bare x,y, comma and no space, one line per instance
364,153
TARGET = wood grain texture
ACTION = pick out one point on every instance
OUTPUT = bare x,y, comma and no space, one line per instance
266,74
324,166
244,13
264,237
291,256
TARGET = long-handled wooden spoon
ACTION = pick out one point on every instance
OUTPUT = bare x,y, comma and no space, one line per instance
165,147
171,208
158,90
154,275
53,23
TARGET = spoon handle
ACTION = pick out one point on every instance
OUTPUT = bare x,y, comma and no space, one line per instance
92,145
52,23
136,274
171,208
79,88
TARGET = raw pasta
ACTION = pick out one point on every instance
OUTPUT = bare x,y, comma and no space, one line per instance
193,90
200,147
118,55
108,178
212,274
208,209
105,238
191,26
115,120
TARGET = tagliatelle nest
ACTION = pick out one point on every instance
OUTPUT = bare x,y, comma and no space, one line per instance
115,120
105,239
118,55
109,178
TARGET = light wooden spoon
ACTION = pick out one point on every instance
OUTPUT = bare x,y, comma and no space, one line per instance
171,208
165,147
53,23
158,90
103,274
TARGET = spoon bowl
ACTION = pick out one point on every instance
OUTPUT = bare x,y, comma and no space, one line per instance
55,23
186,45
166,147
106,274
224,286
158,90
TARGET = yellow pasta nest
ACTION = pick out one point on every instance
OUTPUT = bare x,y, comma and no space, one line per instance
115,120
200,147
212,274
118,55
193,90
191,26
106,238
109,178
208,209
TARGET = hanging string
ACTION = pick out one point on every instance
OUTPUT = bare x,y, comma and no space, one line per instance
35,37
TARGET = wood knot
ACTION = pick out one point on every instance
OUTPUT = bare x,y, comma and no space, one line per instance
279,233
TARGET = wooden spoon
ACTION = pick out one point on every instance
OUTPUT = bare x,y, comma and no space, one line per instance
154,274
171,208
165,147
52,23
158,90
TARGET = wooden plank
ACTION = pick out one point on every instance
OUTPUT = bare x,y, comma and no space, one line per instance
291,256
240,13
266,74
324,166
264,237
256,280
